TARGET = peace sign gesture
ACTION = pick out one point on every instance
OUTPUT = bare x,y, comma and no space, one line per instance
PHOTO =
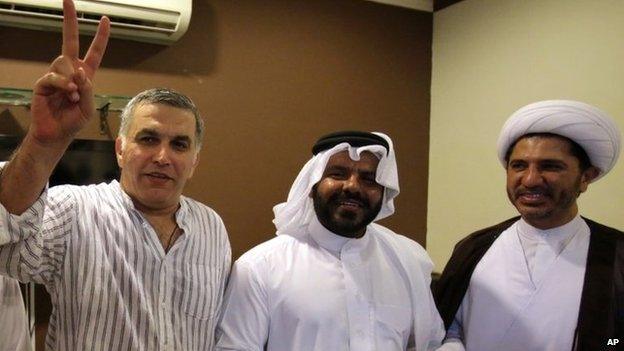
63,100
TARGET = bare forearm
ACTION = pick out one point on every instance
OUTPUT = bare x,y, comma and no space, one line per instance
25,176
61,105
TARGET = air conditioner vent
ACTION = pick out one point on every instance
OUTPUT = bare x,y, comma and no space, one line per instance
85,17
36,10
131,19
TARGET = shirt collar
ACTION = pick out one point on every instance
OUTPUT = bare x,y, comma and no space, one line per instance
334,242
553,235
126,200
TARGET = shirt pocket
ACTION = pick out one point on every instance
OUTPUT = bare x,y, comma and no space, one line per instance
198,294
394,322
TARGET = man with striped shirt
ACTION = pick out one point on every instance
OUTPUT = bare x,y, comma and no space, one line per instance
129,265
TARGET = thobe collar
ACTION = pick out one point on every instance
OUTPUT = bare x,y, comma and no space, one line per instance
334,243
557,237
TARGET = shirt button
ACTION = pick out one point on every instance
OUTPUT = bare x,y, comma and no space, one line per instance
359,333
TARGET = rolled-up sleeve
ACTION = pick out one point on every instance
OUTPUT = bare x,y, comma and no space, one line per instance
33,244
16,228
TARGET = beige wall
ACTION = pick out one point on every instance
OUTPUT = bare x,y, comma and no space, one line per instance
491,57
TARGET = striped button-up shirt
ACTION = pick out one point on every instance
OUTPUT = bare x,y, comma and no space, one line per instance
113,287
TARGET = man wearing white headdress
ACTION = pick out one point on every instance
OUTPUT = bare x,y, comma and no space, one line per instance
549,280
332,279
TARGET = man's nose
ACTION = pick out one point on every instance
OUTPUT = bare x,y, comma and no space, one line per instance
532,177
352,184
162,155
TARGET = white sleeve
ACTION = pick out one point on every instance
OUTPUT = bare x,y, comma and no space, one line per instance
452,345
14,334
33,244
15,228
244,324
454,335
455,331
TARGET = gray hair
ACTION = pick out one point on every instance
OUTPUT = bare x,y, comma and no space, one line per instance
163,96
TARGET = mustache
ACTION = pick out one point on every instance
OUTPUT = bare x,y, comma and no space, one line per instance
343,196
541,190
159,174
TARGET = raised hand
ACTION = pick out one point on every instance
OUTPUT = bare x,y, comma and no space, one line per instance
63,99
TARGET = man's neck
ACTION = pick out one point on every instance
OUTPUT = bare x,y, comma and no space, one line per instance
553,221
152,212
549,226
164,223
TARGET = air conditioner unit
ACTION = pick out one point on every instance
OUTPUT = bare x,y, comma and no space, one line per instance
152,21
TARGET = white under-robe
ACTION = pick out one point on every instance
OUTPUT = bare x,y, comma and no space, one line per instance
318,291
525,292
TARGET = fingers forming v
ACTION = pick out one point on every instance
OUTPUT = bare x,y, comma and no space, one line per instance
63,65
71,45
85,90
52,82
98,45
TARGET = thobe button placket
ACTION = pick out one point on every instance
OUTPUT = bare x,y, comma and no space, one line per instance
357,306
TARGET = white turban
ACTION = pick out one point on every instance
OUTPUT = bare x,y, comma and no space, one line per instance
294,215
586,125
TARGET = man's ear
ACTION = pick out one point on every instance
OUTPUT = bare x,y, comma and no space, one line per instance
588,176
118,151
195,163
312,191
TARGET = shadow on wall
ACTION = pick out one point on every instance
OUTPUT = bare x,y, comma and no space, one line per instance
200,41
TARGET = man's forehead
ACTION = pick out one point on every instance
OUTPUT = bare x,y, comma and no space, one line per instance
147,109
550,145
552,139
159,116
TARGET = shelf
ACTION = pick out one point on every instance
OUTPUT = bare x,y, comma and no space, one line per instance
22,97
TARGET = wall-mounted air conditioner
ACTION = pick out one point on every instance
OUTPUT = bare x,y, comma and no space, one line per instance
153,21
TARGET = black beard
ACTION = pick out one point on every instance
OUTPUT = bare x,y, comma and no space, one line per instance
348,225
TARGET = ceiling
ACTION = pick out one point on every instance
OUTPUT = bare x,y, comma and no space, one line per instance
422,5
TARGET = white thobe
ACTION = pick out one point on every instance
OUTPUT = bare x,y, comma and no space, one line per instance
321,291
525,292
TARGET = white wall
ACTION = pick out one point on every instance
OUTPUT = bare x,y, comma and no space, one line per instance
491,57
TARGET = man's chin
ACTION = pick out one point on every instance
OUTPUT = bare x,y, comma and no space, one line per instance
534,213
158,199
343,226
